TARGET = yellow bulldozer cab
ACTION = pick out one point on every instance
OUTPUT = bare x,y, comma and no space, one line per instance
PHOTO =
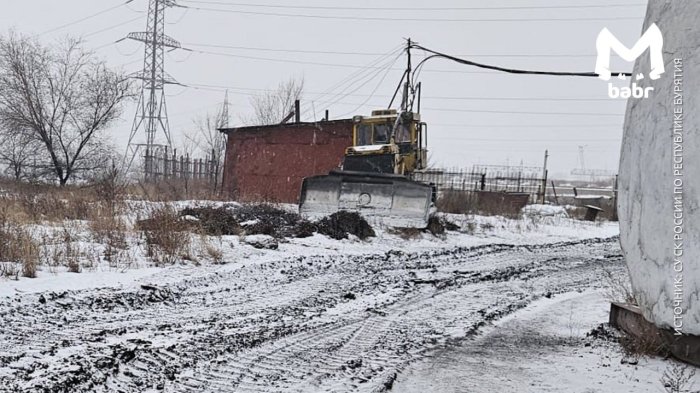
381,134
377,129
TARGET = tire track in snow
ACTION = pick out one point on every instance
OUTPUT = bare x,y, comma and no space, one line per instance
316,323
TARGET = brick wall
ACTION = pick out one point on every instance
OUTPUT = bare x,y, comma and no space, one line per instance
268,163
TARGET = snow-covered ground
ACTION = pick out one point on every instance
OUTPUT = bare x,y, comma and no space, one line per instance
542,348
315,314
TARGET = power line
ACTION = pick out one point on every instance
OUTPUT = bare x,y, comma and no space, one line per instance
252,91
358,18
371,95
528,140
323,52
467,110
353,85
522,112
396,9
362,76
324,64
332,52
483,126
436,54
279,60
337,101
439,109
84,18
112,27
356,76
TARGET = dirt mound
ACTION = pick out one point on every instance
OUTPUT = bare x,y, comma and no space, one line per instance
604,332
269,220
343,223
214,221
438,225
164,219
259,219
265,219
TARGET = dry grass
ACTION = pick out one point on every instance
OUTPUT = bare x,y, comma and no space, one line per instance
17,247
108,228
649,344
167,236
63,249
618,288
48,205
173,190
213,252
64,212
98,204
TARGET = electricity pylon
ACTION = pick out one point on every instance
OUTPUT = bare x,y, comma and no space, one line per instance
151,114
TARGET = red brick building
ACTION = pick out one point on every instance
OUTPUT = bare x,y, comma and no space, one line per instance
268,163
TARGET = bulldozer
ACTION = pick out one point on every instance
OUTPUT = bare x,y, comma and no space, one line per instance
374,181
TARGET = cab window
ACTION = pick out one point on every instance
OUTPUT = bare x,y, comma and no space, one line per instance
364,135
382,133
403,134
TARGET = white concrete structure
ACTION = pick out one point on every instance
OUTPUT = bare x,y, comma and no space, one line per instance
646,199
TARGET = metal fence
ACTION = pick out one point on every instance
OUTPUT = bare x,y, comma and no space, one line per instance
491,178
164,164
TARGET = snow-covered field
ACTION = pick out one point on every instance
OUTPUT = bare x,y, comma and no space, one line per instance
318,314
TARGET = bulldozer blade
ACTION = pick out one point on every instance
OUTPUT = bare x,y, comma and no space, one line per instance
390,200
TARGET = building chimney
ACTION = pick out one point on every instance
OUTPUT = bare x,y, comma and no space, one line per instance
297,113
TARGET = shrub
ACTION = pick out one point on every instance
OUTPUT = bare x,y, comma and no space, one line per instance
166,238
215,253
678,378
109,229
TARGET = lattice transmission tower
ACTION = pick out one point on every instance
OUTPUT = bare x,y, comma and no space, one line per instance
151,119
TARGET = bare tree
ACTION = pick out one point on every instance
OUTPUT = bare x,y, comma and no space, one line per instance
19,153
207,138
62,97
273,106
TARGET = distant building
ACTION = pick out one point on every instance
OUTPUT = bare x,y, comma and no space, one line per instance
268,163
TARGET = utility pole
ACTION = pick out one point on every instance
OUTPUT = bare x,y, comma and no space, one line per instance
544,176
151,116
407,85
408,88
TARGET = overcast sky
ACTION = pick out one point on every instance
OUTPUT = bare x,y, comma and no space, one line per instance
475,116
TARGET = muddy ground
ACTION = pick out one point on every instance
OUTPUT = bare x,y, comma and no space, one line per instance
338,324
